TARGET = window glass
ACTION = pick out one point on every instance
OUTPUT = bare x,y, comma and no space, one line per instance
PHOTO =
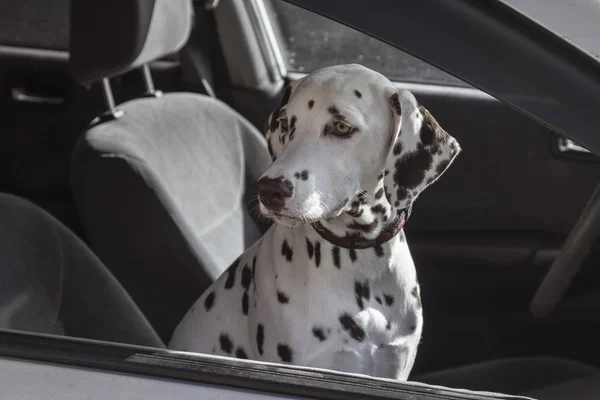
574,21
310,41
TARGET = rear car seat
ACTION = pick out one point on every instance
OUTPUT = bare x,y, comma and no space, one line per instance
53,284
163,190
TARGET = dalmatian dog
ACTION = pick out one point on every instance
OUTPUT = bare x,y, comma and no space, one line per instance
332,283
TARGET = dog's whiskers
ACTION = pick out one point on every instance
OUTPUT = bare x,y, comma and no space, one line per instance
255,210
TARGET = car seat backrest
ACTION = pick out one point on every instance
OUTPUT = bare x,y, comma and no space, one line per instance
52,283
163,184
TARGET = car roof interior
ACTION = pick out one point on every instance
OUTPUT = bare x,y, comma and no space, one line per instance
126,237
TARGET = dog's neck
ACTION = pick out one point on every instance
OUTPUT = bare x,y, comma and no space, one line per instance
368,221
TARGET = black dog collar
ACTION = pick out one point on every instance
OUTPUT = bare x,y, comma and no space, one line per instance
357,242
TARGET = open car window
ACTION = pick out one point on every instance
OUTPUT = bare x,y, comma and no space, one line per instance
310,42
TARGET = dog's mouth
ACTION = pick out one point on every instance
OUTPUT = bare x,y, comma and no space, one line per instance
287,218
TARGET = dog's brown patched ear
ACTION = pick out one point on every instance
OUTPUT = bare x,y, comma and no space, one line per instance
421,151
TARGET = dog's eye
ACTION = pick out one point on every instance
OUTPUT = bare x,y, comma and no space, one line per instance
343,129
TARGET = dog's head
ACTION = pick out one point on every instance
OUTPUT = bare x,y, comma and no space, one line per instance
344,130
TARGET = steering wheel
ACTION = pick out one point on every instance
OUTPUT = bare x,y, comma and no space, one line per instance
568,261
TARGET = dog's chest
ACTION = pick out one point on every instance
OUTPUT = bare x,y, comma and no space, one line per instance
295,298
322,300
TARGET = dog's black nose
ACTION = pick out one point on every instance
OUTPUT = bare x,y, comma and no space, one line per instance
273,192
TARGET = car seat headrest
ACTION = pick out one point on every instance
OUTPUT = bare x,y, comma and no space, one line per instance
112,37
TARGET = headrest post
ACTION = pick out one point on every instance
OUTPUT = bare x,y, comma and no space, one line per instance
149,83
111,111
109,100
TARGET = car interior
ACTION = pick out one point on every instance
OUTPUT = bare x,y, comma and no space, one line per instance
132,139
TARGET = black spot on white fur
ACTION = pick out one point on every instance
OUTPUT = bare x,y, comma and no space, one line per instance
209,301
397,148
402,194
355,210
310,249
319,333
317,253
282,297
431,131
225,343
389,299
395,104
231,274
284,128
378,209
441,167
362,291
410,170
357,94
286,96
352,254
270,148
240,353
284,352
274,120
311,103
335,252
378,299
378,250
292,127
254,272
260,338
246,280
304,175
286,251
245,303
246,277
354,330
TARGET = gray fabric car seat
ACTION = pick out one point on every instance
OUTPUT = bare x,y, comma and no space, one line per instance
52,283
164,189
